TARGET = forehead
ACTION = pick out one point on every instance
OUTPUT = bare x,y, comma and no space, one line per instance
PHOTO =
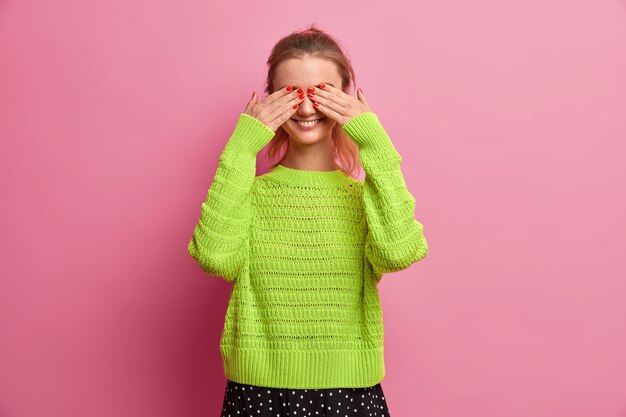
307,70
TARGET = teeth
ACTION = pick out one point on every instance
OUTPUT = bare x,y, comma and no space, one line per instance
308,124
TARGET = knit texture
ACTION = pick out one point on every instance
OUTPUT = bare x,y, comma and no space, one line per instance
305,251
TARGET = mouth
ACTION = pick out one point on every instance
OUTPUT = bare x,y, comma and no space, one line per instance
308,125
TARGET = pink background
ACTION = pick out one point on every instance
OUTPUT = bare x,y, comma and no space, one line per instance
511,119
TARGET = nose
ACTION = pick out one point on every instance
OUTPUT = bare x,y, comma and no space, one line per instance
306,107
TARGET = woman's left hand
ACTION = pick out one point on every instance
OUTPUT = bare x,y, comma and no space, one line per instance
336,104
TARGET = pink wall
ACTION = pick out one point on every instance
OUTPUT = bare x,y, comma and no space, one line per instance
511,119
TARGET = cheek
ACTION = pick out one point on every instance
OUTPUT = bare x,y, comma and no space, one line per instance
329,123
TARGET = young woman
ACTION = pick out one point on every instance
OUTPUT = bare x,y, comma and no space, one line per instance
306,243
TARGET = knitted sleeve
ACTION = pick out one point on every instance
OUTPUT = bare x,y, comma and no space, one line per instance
219,241
395,239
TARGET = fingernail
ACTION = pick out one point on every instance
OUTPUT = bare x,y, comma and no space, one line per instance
316,103
300,90
289,88
322,85
295,106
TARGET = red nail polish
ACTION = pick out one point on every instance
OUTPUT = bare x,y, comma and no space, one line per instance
322,85
295,106
311,89
300,90
310,95
316,104
289,88
301,96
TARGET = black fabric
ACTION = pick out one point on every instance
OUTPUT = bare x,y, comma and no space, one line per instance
241,400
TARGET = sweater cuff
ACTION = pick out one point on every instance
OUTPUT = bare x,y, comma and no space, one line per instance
248,138
372,139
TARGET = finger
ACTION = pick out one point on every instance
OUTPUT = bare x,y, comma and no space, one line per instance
331,97
284,112
331,91
331,103
361,97
269,109
281,105
328,112
251,102
279,94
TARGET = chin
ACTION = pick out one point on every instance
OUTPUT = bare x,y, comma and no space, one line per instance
308,138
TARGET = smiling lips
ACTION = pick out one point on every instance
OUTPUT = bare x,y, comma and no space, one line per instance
307,125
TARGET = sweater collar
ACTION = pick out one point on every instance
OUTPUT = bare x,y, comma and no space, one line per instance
306,177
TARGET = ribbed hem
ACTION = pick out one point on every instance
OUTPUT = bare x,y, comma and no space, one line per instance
248,138
294,176
371,137
299,369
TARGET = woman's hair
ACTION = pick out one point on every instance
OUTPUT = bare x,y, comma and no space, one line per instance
315,43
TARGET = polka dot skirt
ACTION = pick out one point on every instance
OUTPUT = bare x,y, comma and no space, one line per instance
241,400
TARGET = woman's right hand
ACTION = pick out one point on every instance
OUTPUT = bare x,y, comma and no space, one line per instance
276,108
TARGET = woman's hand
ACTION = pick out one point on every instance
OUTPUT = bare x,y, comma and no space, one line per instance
276,108
336,104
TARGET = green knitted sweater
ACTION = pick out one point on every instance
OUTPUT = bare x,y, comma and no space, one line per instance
305,251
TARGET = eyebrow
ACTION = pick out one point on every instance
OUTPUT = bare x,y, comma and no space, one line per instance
296,86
